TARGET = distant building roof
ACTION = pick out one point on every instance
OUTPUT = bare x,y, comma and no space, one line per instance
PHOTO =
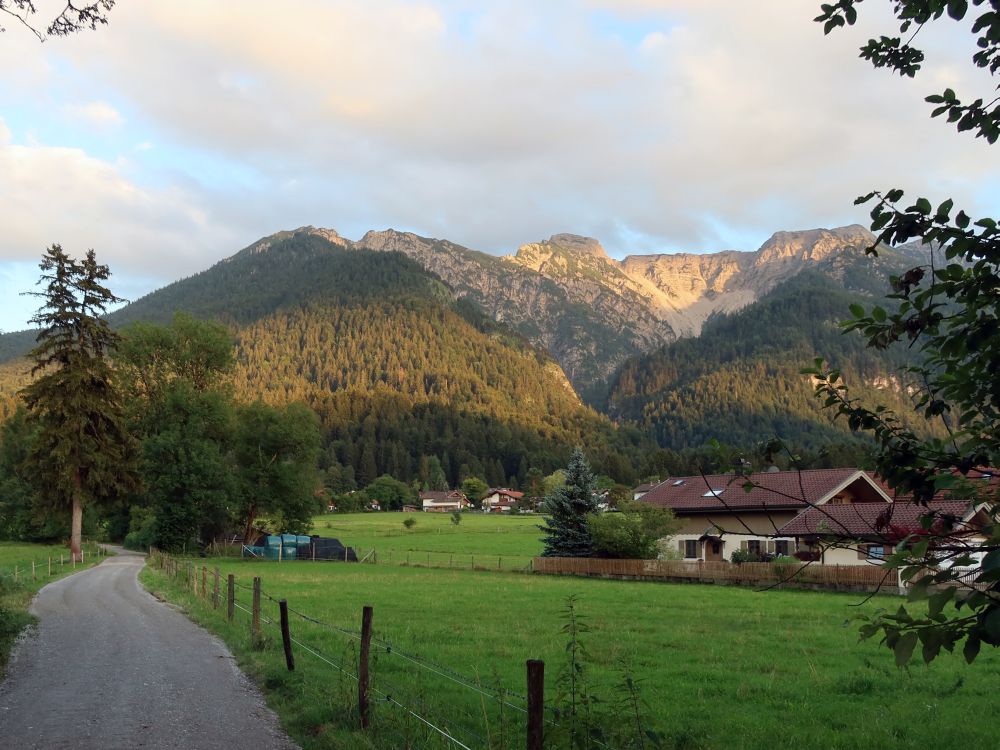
512,494
443,496
771,491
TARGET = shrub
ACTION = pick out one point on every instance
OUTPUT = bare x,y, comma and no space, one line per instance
740,556
410,523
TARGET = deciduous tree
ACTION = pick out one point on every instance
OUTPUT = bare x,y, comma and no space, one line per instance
946,308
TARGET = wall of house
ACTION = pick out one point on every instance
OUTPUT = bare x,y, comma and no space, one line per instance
843,556
736,523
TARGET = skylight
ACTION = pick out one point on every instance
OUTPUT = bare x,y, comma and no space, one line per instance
714,493
678,483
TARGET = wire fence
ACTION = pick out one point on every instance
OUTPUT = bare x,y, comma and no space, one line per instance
40,568
521,716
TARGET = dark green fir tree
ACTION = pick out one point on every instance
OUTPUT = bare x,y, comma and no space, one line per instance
566,532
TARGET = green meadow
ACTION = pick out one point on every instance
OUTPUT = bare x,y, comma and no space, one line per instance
716,667
485,540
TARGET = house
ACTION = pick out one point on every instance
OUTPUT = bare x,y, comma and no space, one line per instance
410,508
719,516
860,533
499,500
642,489
444,501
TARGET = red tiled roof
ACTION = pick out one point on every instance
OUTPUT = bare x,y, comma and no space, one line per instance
781,489
868,519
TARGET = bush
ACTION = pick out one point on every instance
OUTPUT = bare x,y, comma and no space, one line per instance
410,523
740,556
633,533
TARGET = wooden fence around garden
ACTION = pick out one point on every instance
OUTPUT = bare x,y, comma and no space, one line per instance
801,575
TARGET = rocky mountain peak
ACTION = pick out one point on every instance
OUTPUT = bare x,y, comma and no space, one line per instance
575,243
391,240
812,245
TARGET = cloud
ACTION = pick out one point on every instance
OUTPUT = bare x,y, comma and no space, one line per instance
62,195
98,114
710,123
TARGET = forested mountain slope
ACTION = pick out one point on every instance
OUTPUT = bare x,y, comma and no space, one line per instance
740,382
397,369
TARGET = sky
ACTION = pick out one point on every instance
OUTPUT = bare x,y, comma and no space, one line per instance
185,130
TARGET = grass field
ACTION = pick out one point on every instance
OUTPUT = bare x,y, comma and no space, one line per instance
486,539
718,667
18,585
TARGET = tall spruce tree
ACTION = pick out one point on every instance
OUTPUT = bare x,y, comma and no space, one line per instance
565,529
83,453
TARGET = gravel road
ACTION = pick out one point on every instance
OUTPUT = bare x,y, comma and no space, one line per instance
111,667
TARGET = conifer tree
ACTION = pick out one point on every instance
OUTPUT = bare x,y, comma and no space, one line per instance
566,531
82,453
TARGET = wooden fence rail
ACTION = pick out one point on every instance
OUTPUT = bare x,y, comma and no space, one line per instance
841,577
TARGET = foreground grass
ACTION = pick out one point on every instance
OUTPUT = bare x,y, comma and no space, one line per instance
718,667
485,539
18,585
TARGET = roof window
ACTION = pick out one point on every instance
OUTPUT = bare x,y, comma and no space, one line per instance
714,493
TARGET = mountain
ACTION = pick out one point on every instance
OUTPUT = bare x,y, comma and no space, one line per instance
398,369
589,311
739,382
592,312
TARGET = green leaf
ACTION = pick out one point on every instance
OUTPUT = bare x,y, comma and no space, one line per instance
904,648
923,206
856,310
971,649
937,600
991,624
991,561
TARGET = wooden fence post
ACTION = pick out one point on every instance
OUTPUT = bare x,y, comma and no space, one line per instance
50,565
536,703
204,581
61,560
366,643
286,638
33,576
255,614
230,597
215,589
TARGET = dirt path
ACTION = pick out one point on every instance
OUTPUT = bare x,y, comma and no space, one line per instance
111,667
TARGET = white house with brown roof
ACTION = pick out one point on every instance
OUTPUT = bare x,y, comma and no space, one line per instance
719,515
500,500
443,501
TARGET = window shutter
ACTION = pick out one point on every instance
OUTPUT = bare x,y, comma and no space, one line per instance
770,546
862,551
743,544
680,547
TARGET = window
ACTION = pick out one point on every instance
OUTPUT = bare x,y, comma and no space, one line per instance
690,548
754,546
781,547
876,552
713,493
